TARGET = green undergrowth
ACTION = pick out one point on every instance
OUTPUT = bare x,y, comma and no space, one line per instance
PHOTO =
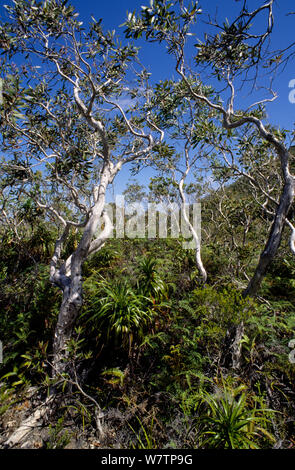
149,343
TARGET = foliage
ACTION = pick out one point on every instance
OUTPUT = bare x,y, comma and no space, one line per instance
144,437
230,423
178,347
151,339
118,310
6,398
58,438
149,282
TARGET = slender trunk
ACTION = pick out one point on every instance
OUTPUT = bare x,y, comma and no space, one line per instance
71,304
197,241
274,238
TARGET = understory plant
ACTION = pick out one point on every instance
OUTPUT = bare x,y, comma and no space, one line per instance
233,420
118,311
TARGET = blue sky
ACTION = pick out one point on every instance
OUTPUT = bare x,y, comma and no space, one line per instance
280,113
114,12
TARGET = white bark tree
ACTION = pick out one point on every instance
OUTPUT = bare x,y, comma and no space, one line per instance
187,153
236,54
71,117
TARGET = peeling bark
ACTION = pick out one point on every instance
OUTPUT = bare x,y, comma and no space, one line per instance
69,277
69,311
28,425
232,351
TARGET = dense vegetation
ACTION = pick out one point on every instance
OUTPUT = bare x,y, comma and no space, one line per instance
141,342
152,345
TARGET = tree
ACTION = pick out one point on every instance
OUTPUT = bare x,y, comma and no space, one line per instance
134,192
235,55
67,132
188,151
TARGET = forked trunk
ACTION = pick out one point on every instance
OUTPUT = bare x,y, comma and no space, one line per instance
69,277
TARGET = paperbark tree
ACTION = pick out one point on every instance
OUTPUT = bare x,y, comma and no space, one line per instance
72,115
187,155
250,160
235,54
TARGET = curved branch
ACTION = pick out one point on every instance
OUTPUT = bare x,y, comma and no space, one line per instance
191,228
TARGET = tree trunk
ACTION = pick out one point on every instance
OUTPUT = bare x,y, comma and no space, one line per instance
69,278
232,348
274,238
69,310
197,241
